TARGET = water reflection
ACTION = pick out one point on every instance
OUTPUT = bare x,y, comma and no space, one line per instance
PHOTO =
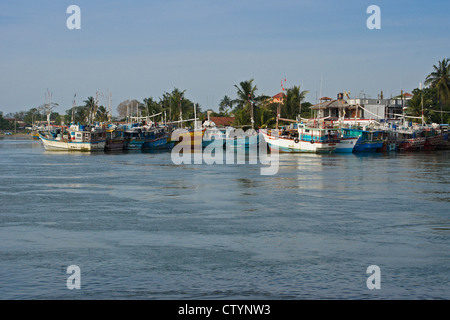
223,226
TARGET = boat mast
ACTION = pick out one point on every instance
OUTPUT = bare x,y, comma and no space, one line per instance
109,106
421,102
195,116
127,112
48,106
73,107
251,111
320,92
181,112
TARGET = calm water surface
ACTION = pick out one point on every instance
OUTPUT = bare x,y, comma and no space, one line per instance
140,227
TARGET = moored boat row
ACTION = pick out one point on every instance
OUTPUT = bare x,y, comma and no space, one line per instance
326,137
298,137
106,138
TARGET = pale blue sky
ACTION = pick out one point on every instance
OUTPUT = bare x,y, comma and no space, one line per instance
138,49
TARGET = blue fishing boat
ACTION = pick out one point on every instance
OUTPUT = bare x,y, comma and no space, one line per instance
133,137
368,141
157,138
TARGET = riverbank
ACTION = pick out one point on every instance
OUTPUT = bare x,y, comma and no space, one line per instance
16,135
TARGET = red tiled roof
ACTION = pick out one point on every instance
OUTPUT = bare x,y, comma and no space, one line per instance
278,96
222,121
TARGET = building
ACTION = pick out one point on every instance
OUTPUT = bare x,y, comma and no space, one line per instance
361,110
222,121
19,124
278,98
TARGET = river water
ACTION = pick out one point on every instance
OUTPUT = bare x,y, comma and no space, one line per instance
139,226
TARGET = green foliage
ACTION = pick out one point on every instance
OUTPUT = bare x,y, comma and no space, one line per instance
292,103
225,105
264,110
434,100
440,79
33,115
151,107
429,99
248,102
102,114
176,105
5,124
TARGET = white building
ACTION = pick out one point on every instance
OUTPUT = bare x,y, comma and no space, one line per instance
361,110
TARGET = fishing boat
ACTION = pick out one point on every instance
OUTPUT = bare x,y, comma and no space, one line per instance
346,144
213,134
133,137
301,139
35,134
368,140
434,137
237,138
411,143
74,138
158,138
188,136
409,140
114,138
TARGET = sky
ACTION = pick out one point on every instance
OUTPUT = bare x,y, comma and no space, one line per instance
139,49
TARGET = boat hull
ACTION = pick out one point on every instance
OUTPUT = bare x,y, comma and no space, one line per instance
346,145
192,138
135,144
413,144
242,142
368,146
61,145
114,145
158,144
299,146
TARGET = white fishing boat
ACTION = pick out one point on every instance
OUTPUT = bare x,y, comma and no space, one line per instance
301,139
346,145
74,138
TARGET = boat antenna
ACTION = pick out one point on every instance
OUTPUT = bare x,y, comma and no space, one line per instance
73,107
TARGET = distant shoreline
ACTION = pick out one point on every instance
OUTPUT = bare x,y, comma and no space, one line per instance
18,135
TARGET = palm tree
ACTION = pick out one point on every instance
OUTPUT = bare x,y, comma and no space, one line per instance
440,79
225,104
102,114
176,102
294,98
440,75
90,105
245,91
246,101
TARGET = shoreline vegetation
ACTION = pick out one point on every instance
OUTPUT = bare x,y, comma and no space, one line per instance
248,108
17,135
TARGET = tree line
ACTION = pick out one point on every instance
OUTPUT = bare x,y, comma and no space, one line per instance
247,107
433,101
